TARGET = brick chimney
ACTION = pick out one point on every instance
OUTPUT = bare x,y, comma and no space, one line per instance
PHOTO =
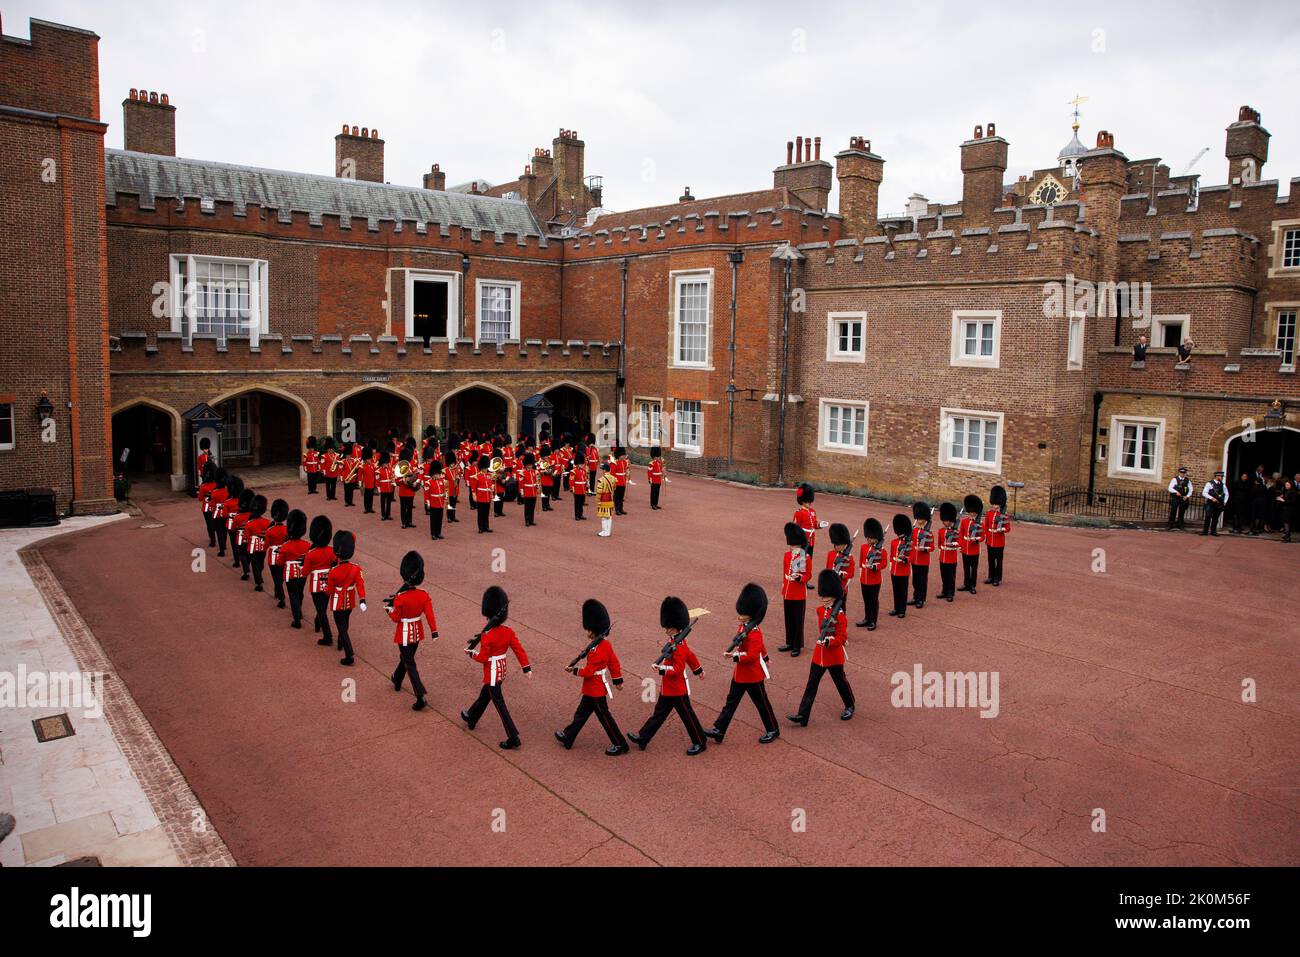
149,123
686,196
435,178
983,166
859,172
1103,181
1247,147
570,173
805,173
359,154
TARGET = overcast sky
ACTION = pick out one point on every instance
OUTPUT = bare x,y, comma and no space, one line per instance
669,94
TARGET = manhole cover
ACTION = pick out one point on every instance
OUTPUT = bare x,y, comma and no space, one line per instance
52,728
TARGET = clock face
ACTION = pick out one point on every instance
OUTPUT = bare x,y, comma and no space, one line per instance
1047,192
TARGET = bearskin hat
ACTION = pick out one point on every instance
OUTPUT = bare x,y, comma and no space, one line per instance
873,530
235,486
530,458
345,544
495,602
839,533
794,536
221,477
412,568
484,463
595,617
752,603
619,451
902,525
591,438
205,443
829,584
673,614
321,530
947,512
973,504
311,441
279,509
329,442
656,452
998,496
258,507
435,466
804,494
246,499
580,451
921,511
295,525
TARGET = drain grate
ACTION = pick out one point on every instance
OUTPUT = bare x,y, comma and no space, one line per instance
52,728
154,525
82,862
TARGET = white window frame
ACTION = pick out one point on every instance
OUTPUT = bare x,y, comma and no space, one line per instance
1160,323
945,440
833,322
824,443
676,278
1074,347
656,437
452,280
239,403
1115,465
1277,310
697,449
516,288
13,427
958,357
258,291
1283,234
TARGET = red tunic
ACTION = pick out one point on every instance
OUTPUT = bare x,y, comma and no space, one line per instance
205,490
384,476
676,681
528,485
293,553
578,482
317,568
846,573
796,590
750,658
600,671
236,525
332,465
368,475
217,502
481,487
435,492
619,468
806,518
410,610
593,459
656,471
947,553
921,556
992,537
311,461
969,546
452,475
346,586
275,537
899,566
870,576
255,531
832,651
491,653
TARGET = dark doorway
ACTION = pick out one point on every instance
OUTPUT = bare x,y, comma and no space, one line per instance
429,310
475,410
260,428
572,414
1276,451
145,435
374,413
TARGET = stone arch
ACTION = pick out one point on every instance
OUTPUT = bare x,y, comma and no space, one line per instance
417,409
177,445
304,410
512,406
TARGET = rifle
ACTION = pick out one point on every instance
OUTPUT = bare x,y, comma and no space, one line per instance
492,622
828,626
740,636
845,555
798,564
670,648
572,666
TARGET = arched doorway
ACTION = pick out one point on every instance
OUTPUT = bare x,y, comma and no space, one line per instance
1277,451
375,413
145,435
574,410
260,428
474,409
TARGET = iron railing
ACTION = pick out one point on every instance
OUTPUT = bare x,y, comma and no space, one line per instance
1148,505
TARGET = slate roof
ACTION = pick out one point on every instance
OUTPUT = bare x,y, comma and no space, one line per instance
149,177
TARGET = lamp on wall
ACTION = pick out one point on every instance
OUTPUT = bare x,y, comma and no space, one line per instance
464,264
44,407
1275,416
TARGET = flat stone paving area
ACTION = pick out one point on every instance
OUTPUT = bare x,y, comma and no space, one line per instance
1120,692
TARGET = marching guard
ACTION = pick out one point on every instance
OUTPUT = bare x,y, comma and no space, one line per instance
435,501
528,488
620,469
330,469
311,465
592,460
410,606
949,546
369,466
276,535
316,566
655,474
384,482
578,486
871,559
347,590
407,478
489,648
605,490
293,556
480,487
969,534
236,523
919,554
828,651
805,516
204,495
996,526
840,557
217,501
255,532
451,471
598,667
674,685
900,561
750,676
351,474
796,573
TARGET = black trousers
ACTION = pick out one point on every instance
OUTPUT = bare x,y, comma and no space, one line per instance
499,508
258,561
212,529
313,479
493,693
294,587
530,511
815,673
557,488
236,550
368,500
546,498
349,489
947,579
484,511
587,705
435,523
620,492
222,534
899,582
655,488
871,603
970,567
920,582
321,602
579,503
385,506
995,562
794,615
1177,511
452,500
341,619
667,703
277,578
406,666
331,487
757,691
591,478
407,506
1212,512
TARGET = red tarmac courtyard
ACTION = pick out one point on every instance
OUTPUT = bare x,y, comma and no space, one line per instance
1121,693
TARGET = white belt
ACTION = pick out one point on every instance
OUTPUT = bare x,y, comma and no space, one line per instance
604,676
763,664
492,668
273,555
408,629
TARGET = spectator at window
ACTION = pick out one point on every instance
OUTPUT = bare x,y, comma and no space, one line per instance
1185,351
1140,349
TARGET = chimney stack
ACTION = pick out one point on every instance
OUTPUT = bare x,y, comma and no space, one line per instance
149,123
983,166
808,178
570,174
686,196
435,178
859,172
359,154
1247,148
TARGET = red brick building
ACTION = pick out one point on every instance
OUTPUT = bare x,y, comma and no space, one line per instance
759,332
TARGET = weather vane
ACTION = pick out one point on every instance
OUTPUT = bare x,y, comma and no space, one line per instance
1077,102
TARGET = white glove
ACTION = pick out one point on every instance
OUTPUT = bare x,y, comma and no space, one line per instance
363,606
